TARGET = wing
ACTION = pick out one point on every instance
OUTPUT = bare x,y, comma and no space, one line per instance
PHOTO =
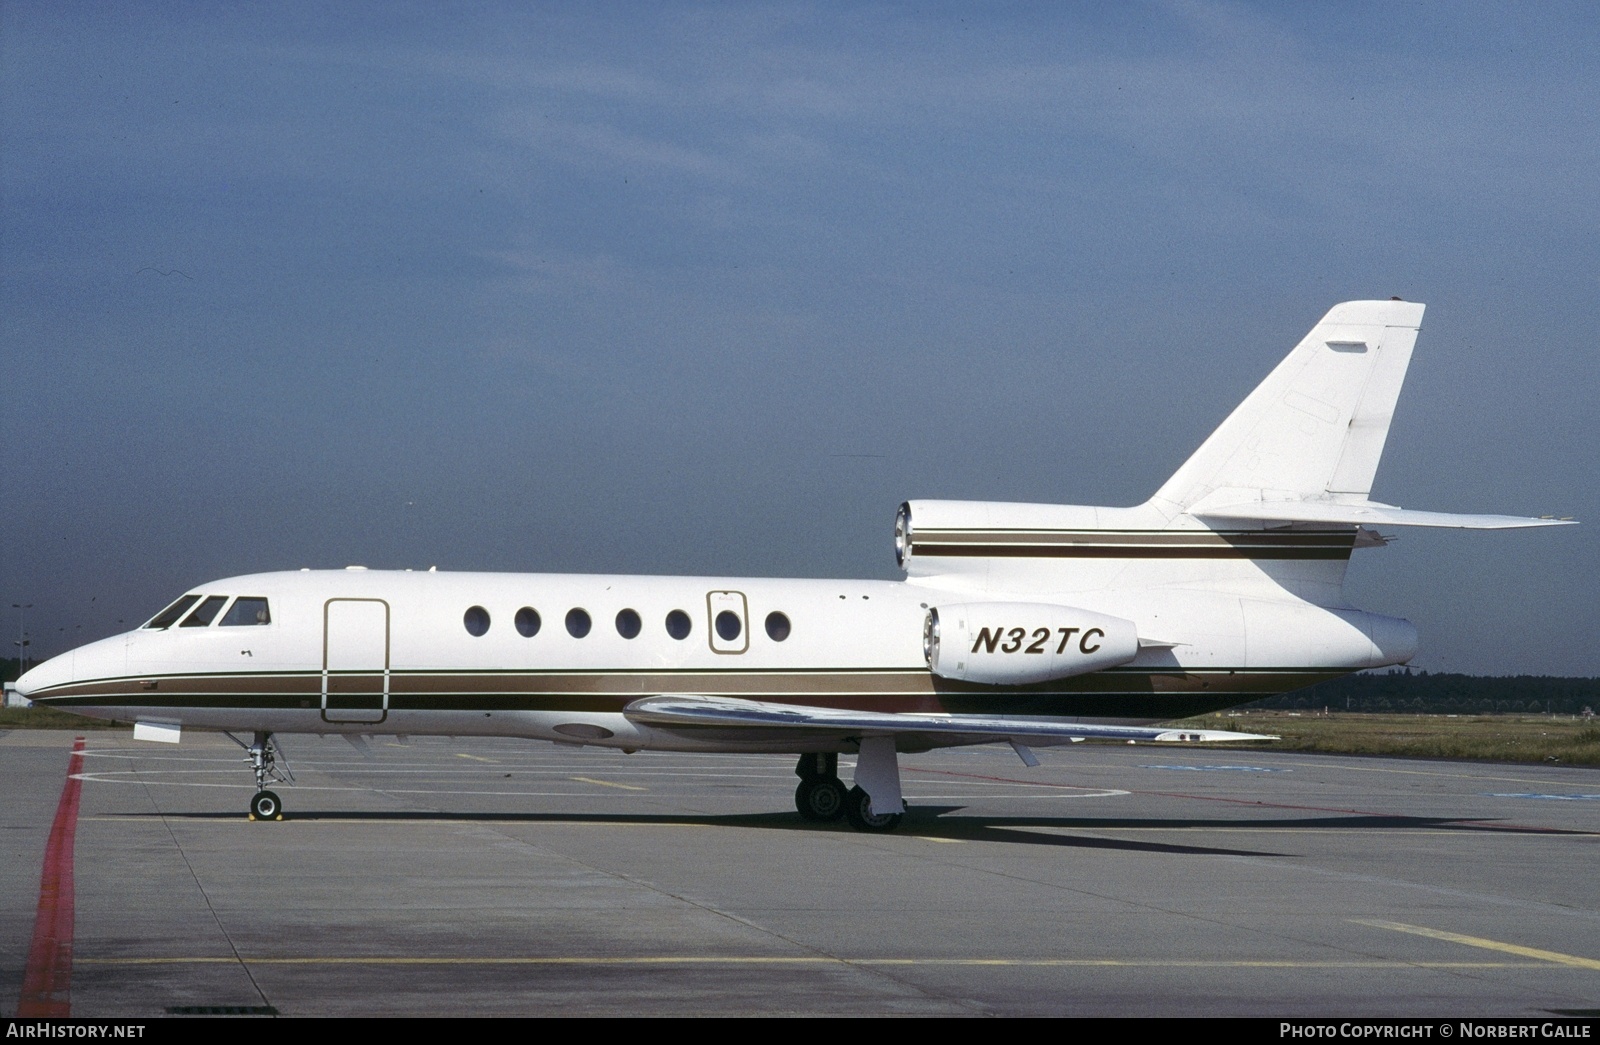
756,720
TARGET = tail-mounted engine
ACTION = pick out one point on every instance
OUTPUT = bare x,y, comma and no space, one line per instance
1013,643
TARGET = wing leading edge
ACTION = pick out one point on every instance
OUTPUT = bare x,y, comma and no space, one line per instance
763,719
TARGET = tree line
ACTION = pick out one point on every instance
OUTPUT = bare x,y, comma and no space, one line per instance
1402,690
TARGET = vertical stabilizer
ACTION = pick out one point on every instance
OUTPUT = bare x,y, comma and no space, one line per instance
1315,428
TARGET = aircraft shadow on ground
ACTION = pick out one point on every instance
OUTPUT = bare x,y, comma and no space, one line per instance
944,822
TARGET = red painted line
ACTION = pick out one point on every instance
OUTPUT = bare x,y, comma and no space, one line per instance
47,983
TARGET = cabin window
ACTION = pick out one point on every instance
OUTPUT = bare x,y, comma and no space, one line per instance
628,624
477,621
578,622
728,625
205,612
777,626
167,617
678,624
527,622
247,610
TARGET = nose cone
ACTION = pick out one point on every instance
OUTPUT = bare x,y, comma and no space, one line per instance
106,659
56,671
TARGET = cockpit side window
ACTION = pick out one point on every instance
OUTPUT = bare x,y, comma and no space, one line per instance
205,612
247,609
168,616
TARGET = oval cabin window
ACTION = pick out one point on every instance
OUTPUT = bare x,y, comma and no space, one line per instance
527,622
578,623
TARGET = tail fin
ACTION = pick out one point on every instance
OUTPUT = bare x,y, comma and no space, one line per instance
1315,428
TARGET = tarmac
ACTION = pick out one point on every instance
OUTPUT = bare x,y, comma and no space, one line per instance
503,877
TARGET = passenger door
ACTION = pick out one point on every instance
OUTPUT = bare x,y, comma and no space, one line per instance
355,660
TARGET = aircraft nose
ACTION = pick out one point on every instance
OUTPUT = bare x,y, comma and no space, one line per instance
105,659
54,672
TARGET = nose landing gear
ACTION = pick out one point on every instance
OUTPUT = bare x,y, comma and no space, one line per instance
263,754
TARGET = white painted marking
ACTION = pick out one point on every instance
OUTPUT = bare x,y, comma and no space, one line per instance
1554,797
1222,769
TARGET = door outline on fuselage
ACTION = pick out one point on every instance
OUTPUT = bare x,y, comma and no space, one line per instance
357,681
721,602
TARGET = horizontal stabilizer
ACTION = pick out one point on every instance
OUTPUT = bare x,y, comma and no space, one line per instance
759,717
1361,513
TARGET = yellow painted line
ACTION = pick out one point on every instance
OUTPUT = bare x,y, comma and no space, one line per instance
606,783
1554,957
948,841
680,959
478,758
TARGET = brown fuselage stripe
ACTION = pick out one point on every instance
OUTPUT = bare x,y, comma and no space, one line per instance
1159,706
1134,537
750,684
1070,551
1110,693
1133,544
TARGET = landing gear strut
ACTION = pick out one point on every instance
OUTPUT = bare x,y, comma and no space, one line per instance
821,794
858,811
874,804
263,755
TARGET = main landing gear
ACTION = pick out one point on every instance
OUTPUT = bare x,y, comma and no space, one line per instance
822,796
263,755
859,815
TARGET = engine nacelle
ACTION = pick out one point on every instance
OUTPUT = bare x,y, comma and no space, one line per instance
1015,643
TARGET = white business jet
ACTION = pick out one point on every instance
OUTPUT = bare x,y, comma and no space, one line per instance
1026,624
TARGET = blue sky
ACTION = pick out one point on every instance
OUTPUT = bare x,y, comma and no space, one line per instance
712,288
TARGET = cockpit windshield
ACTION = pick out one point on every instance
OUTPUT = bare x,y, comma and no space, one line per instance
205,613
167,617
246,610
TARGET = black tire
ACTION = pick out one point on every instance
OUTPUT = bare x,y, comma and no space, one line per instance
266,806
858,810
820,799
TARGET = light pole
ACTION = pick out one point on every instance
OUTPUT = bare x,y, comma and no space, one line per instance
22,635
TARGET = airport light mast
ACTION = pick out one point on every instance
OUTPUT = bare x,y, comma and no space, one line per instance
22,636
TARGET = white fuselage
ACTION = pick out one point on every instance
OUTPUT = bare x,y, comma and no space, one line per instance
395,652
